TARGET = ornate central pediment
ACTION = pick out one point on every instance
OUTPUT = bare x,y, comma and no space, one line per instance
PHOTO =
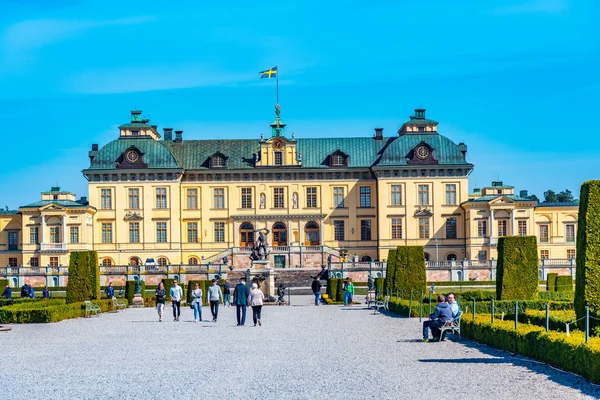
423,212
133,216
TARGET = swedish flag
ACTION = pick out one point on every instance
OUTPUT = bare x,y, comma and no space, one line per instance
270,73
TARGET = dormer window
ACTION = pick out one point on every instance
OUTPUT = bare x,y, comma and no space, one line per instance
278,155
338,159
135,133
218,161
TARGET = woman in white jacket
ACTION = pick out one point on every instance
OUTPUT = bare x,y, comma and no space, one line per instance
255,300
197,303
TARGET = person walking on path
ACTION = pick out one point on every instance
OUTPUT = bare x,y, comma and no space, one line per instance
348,292
110,291
316,288
255,300
160,300
240,299
46,293
227,295
214,297
197,302
7,292
176,295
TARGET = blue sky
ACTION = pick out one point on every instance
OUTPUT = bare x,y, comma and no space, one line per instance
517,81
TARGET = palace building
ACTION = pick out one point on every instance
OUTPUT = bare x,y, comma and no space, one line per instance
160,198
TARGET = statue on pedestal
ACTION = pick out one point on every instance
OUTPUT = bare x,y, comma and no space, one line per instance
259,249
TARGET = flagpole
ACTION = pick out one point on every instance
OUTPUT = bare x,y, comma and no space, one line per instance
277,80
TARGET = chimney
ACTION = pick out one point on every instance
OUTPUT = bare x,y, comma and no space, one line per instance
178,136
155,127
168,134
523,193
378,134
95,147
463,148
92,154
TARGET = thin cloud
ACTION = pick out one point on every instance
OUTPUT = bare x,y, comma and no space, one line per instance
19,42
533,7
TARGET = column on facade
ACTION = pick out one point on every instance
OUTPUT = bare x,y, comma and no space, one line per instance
236,233
491,223
64,228
512,222
43,229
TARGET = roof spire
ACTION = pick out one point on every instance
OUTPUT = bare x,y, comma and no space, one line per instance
278,126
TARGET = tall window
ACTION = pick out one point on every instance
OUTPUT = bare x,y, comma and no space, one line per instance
219,232
192,199
451,228
13,241
74,234
134,198
106,232
134,232
54,234
107,262
501,227
338,197
423,228
543,233
396,228
365,196
482,228
570,228
12,261
246,197
161,197
570,253
278,197
34,262
106,199
423,195
161,232
396,195
522,228
54,261
311,197
338,230
365,229
219,197
192,229
278,158
33,235
544,254
451,194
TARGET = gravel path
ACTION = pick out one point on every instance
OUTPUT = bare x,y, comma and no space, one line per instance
300,352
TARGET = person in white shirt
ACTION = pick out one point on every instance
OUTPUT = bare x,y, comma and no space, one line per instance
453,304
176,294
214,297
255,300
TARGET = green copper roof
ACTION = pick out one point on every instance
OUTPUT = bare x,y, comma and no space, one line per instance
559,204
195,154
488,198
8,212
155,153
63,203
444,150
361,151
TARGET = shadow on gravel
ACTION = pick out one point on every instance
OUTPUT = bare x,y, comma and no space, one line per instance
470,361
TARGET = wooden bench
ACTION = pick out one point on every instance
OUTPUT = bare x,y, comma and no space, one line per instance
91,308
383,304
118,304
453,327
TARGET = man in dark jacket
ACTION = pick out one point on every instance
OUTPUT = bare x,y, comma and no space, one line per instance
441,315
7,292
240,299
24,291
316,288
110,291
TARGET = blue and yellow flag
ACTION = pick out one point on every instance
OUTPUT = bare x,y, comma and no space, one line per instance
270,73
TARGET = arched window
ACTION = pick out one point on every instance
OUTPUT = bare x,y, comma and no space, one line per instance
162,261
451,257
246,234
366,259
15,282
107,262
338,159
459,275
55,281
279,234
192,261
218,161
134,261
311,234
426,256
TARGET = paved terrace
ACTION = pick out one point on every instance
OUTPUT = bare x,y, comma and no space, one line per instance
301,351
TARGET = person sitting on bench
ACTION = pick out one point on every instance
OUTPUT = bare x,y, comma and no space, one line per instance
441,315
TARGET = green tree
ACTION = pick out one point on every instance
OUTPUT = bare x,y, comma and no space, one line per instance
550,196
533,197
565,196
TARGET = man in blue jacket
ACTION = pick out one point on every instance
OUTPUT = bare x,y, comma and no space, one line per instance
240,299
110,291
7,292
441,315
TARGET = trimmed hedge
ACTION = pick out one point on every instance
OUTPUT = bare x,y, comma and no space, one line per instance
379,285
587,288
332,287
340,291
556,319
517,271
94,273
3,285
390,272
551,282
564,283
557,296
79,286
410,273
570,353
52,310
463,283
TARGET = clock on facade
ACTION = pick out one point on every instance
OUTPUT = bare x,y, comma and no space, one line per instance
278,144
422,152
132,156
